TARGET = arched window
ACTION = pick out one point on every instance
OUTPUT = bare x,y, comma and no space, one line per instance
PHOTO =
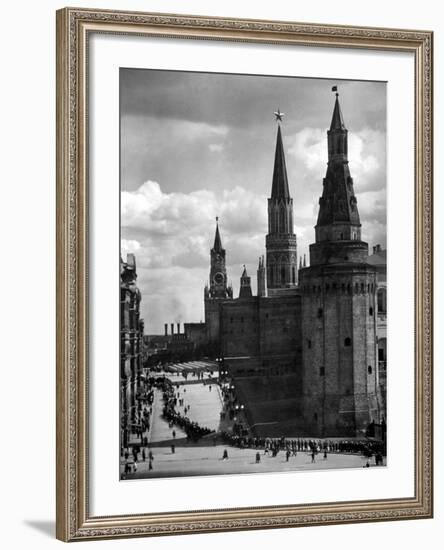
282,275
282,223
347,342
293,275
369,369
382,300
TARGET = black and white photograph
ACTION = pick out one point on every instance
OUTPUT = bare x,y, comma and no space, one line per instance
253,293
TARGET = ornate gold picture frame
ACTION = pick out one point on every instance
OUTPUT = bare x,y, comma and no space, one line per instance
74,518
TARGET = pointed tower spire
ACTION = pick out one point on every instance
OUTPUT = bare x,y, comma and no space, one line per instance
300,262
217,240
305,261
218,272
280,241
279,189
337,120
245,285
338,217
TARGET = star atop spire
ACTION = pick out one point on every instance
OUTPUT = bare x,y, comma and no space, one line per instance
279,115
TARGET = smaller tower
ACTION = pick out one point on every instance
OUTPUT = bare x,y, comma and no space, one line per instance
261,286
215,293
245,285
218,274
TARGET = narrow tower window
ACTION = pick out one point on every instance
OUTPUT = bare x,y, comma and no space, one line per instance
347,342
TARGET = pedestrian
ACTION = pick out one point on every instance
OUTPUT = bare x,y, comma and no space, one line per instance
150,455
258,458
143,455
173,449
225,455
150,465
313,454
325,454
135,466
287,454
174,434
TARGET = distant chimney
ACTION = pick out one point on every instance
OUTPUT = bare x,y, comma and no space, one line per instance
172,329
166,329
178,328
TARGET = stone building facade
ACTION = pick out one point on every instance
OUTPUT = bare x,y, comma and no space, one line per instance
131,348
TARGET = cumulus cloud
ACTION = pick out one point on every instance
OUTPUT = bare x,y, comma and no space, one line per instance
216,147
172,233
129,246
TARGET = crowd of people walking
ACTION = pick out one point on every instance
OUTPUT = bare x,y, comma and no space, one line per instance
291,446
171,399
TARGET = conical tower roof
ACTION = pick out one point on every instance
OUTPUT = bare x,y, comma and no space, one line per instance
337,120
217,240
279,189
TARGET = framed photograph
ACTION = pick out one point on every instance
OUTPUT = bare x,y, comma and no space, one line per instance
244,274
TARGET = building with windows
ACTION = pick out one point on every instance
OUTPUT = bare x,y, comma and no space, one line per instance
131,349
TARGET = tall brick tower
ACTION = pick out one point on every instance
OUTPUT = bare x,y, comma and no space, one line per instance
217,291
340,379
281,241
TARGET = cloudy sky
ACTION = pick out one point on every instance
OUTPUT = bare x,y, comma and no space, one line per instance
196,145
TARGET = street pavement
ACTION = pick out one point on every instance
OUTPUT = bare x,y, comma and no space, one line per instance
205,457
198,460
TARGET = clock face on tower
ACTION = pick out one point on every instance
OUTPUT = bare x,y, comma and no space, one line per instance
218,278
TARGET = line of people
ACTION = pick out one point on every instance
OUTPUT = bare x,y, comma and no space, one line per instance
273,445
192,429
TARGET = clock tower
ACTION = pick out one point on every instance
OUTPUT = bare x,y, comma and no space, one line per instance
216,292
218,273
